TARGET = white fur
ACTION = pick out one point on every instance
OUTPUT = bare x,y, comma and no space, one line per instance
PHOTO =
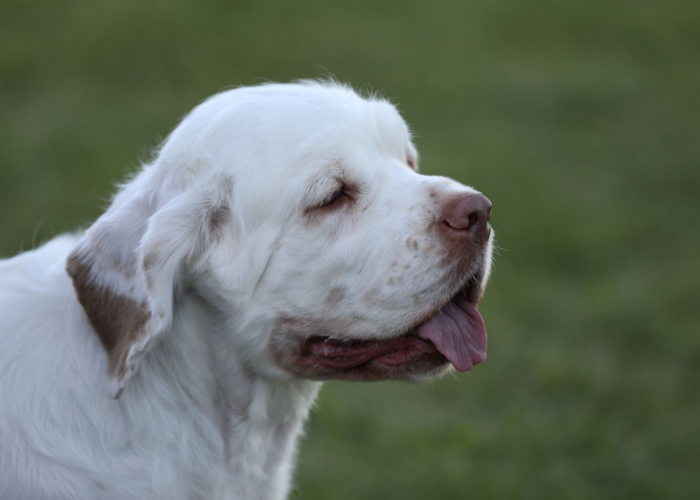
213,239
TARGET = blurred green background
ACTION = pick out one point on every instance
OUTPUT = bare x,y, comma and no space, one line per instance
579,120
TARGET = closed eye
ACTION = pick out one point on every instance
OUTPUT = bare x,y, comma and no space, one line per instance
332,198
343,196
340,197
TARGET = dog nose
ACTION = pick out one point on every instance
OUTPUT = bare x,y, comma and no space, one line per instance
468,214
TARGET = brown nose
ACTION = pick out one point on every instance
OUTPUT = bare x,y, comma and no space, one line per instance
468,215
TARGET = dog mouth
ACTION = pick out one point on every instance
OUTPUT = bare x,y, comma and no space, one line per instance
455,332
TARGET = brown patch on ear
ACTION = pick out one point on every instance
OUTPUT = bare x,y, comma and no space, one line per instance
118,320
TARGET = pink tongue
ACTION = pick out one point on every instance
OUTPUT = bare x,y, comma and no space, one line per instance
458,332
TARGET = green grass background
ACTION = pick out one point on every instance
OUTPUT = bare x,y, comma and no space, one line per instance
579,119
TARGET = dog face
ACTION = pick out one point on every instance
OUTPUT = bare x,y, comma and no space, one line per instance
354,250
297,213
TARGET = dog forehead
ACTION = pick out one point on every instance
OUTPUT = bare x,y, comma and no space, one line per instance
270,126
295,126
322,117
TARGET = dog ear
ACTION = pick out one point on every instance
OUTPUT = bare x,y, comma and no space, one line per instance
128,266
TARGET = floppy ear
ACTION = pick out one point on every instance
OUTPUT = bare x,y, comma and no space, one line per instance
127,267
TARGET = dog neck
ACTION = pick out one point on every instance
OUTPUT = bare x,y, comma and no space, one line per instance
257,420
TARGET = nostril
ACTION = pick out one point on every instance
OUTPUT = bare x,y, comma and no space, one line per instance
462,223
473,221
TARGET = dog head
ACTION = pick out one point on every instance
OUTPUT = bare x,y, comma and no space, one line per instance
296,212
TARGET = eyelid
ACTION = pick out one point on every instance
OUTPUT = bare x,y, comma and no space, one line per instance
346,197
330,199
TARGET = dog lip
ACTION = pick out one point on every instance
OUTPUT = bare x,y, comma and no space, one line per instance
330,352
336,342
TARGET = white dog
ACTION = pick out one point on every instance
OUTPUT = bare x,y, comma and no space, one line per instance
282,236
